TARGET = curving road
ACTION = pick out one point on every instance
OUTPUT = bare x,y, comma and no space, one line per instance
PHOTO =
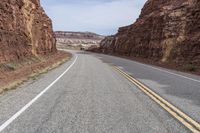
86,95
181,89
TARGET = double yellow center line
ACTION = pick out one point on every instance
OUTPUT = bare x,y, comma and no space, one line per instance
187,121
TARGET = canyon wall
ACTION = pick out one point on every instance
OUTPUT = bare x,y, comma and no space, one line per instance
166,31
77,40
25,30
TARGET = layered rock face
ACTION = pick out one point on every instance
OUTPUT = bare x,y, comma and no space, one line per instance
77,40
166,31
25,30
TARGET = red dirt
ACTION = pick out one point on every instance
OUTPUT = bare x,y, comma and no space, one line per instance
10,78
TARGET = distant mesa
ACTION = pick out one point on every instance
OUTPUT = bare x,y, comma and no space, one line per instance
77,40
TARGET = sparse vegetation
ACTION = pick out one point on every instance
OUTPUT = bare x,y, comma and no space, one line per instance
11,66
190,67
1,66
8,66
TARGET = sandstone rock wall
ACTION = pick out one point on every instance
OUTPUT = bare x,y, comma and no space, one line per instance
25,30
166,31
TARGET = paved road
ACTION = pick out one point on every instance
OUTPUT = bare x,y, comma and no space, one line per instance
91,97
181,89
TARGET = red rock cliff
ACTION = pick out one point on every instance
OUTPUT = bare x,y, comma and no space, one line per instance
166,31
25,30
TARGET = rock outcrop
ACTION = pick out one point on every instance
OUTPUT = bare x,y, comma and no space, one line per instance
25,30
166,31
77,40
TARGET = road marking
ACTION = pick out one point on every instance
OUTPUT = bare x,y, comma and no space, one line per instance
121,67
168,72
188,122
16,115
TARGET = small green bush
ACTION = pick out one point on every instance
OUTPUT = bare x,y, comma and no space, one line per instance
190,67
10,66
1,65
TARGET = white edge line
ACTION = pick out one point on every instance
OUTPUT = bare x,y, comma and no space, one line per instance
174,74
166,71
163,70
170,72
16,115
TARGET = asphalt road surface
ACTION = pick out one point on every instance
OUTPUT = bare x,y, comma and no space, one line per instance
181,89
86,95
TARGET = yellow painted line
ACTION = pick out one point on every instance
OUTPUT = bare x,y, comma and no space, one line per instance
187,121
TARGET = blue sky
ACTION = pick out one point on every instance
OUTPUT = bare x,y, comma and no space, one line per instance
99,16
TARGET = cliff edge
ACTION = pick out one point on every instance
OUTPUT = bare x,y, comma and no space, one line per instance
167,31
25,30
27,43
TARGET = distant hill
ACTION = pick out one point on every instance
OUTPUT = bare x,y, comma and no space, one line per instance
77,40
78,35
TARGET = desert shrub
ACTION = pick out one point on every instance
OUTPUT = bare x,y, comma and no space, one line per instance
190,67
10,66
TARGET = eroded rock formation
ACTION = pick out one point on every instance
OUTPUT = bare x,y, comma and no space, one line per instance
25,30
166,31
77,40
